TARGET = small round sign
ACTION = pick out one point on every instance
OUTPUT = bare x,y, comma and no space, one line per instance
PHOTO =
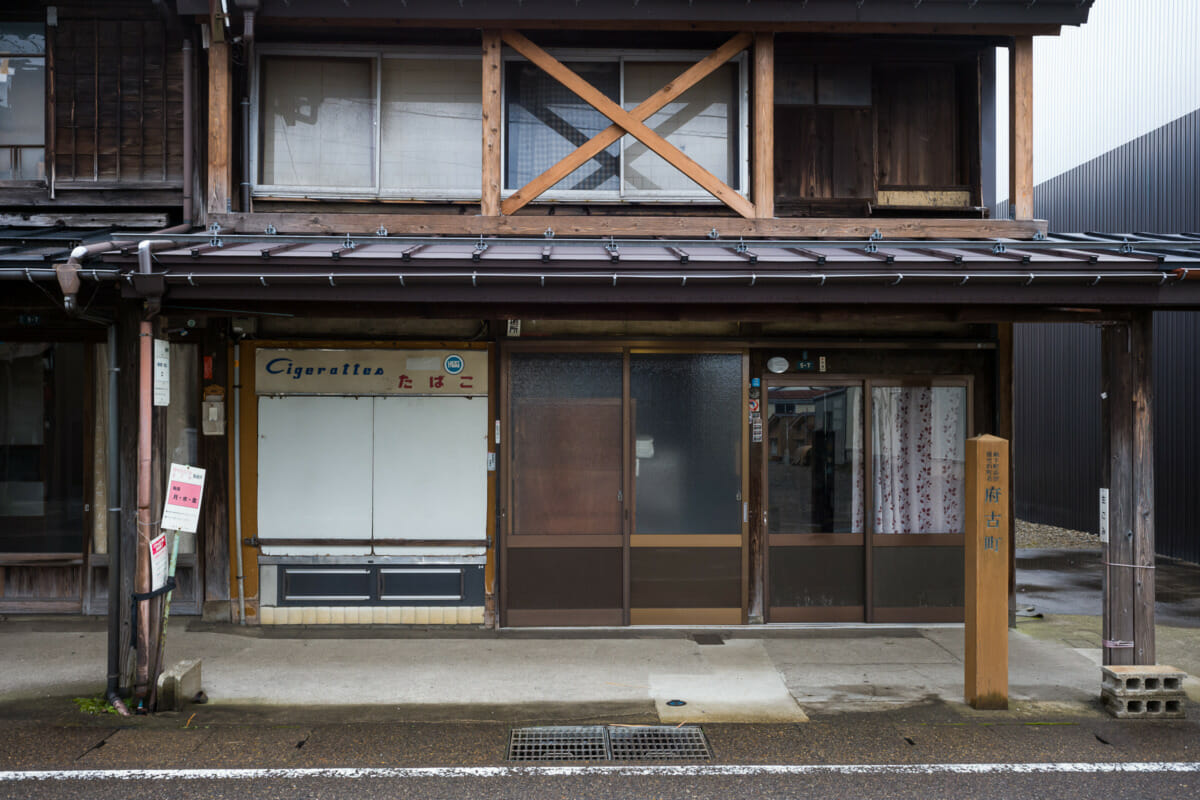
453,364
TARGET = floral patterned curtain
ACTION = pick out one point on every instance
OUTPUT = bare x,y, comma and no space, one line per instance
918,439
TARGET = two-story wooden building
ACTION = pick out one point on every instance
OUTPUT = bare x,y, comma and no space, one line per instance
562,313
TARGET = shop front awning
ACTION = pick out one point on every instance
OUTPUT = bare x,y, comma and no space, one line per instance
1113,271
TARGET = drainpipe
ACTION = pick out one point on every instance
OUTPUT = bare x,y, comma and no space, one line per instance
237,477
113,470
145,453
189,74
249,8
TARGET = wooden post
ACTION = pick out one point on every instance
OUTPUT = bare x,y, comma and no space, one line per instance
220,128
763,158
489,205
1128,492
1020,127
988,542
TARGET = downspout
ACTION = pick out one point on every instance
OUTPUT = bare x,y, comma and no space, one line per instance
248,11
237,477
145,474
113,469
189,74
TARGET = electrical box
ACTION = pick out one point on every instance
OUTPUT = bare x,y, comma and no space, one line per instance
212,411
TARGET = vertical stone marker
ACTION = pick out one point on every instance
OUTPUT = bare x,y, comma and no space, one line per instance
988,537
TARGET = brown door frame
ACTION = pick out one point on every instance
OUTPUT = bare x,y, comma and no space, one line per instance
628,502
870,539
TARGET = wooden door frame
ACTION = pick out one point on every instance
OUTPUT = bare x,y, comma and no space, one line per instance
626,349
871,539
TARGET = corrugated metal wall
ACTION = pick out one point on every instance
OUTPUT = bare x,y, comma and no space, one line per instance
1116,149
1058,428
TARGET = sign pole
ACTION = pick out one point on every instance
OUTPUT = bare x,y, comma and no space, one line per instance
988,539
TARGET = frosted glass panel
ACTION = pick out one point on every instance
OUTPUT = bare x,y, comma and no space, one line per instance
814,459
566,444
317,120
701,122
687,415
314,472
918,445
546,121
432,113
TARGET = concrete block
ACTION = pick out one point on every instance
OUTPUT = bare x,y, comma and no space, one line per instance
408,615
266,615
178,684
477,615
379,615
309,616
337,615
322,615
366,615
436,615
421,615
350,614
1141,679
393,615
1145,707
295,616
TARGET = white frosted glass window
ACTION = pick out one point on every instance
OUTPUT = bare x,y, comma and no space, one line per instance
432,116
702,123
317,122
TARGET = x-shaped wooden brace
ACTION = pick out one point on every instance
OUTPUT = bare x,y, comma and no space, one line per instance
631,122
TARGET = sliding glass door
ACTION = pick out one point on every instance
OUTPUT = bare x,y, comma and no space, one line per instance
625,488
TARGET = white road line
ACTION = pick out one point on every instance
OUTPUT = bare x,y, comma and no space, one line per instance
689,771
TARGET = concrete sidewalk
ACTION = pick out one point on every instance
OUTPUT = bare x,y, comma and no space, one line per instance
754,674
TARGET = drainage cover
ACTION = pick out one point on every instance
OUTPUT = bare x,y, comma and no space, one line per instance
559,743
658,743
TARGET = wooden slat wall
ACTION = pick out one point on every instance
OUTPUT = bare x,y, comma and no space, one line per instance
118,87
823,153
917,112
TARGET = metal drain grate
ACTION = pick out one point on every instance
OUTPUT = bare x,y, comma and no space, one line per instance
559,743
658,743
613,742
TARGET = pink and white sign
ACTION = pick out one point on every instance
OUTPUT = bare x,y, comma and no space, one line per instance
158,562
181,511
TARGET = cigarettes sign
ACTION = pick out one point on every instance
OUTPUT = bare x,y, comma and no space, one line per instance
181,511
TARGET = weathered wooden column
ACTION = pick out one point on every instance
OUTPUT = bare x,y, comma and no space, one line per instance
1127,493
763,157
220,129
489,205
1020,127
988,541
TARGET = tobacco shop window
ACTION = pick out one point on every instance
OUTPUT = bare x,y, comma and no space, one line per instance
22,101
365,124
545,121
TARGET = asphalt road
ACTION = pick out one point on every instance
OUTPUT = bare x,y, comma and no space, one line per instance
928,751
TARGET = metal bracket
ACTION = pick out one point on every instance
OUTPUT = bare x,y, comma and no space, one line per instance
349,243
548,233
250,541
270,230
998,249
382,231
215,240
712,234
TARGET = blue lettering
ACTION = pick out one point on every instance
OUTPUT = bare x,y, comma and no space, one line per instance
271,368
379,370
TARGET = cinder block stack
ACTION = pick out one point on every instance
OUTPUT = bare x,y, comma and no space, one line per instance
1153,691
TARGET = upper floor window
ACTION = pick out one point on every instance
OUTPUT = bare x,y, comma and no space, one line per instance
22,101
398,125
367,125
545,121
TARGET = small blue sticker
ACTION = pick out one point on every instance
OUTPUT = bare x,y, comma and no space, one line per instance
453,364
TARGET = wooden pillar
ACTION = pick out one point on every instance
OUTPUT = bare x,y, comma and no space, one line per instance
128,321
220,129
1020,127
1128,470
763,157
214,457
492,114
988,542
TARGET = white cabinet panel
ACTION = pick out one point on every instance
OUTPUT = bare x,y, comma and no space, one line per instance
430,471
314,472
